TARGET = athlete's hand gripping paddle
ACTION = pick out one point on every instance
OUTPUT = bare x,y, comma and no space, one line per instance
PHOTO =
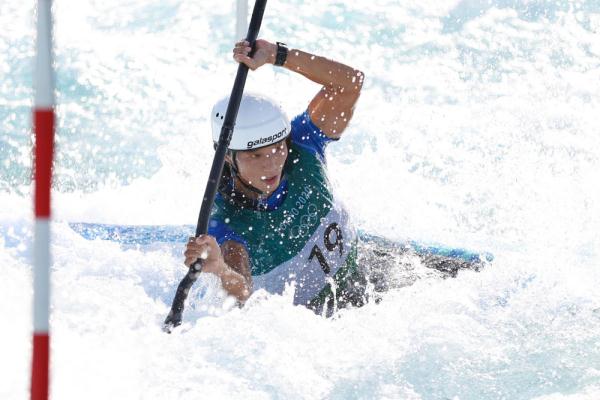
175,315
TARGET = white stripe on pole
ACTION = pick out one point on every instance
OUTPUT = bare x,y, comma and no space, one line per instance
241,23
44,82
41,276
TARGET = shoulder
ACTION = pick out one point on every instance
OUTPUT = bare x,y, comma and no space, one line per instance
308,136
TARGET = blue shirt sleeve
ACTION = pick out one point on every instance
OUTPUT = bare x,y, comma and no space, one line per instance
223,233
308,136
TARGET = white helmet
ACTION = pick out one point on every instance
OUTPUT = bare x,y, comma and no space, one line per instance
260,122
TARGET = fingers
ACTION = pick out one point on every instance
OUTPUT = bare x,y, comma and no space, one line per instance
205,240
240,54
201,243
192,255
242,42
244,58
241,48
203,247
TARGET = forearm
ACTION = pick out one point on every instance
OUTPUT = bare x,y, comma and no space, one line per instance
332,108
236,281
328,73
235,284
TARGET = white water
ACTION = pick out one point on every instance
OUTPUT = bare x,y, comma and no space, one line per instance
477,128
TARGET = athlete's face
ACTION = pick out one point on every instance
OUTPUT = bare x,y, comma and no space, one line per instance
262,167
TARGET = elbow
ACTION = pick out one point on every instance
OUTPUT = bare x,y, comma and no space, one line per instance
351,84
245,292
360,78
356,82
245,295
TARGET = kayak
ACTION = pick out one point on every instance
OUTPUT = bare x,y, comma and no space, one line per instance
373,250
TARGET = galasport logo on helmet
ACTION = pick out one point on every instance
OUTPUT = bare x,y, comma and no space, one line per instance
268,139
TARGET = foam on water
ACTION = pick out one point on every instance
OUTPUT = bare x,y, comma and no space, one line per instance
476,128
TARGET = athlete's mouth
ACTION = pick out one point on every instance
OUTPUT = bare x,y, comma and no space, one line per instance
269,180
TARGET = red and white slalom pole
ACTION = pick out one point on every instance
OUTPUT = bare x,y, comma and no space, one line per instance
43,125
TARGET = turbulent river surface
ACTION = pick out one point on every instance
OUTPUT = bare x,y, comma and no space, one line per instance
477,128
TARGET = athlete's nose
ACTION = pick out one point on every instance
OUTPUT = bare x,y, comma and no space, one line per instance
273,162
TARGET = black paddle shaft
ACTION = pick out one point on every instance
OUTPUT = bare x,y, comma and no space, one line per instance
175,315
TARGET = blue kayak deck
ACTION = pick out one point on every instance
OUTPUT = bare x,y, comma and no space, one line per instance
149,234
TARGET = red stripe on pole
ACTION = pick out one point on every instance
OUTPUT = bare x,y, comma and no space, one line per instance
40,366
43,122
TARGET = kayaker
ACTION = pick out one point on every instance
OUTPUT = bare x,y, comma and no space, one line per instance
275,221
